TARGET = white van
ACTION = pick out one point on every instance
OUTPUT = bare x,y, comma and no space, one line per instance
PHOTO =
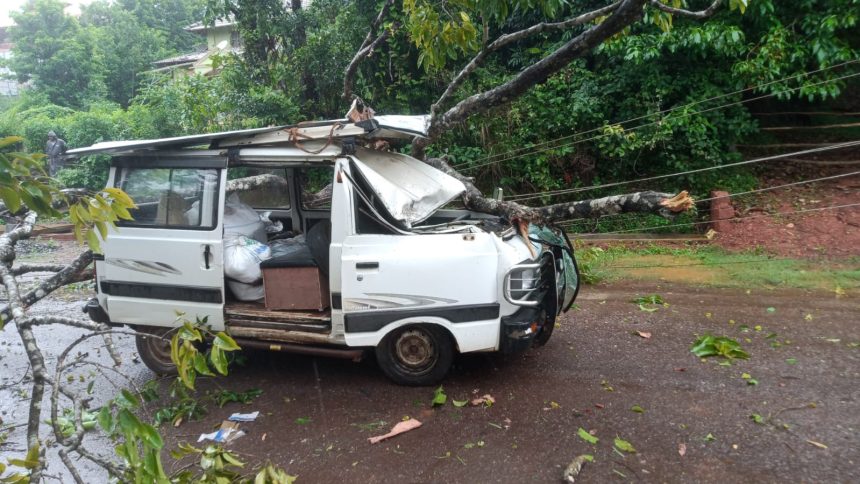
374,261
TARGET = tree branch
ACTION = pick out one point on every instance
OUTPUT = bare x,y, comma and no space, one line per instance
506,39
74,272
699,14
625,14
664,204
366,49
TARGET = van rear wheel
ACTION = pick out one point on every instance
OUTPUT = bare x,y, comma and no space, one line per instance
416,355
153,346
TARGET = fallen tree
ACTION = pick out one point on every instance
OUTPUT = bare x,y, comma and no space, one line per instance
592,29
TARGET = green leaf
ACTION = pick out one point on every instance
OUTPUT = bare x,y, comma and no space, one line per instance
710,437
218,360
150,436
460,403
11,199
637,409
439,397
584,435
93,242
757,418
225,342
130,398
623,445
303,420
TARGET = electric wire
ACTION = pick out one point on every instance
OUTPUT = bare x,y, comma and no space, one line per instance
737,194
689,224
750,261
463,167
835,146
667,110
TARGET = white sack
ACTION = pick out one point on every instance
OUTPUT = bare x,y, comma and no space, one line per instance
242,219
246,292
242,257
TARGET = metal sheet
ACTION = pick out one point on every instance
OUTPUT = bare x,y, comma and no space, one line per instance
410,190
113,147
386,126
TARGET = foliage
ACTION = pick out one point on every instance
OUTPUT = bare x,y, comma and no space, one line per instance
25,185
189,361
224,397
709,345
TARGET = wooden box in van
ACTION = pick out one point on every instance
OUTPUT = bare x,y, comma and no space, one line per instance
304,288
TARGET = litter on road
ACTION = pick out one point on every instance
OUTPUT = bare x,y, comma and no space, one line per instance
400,428
244,417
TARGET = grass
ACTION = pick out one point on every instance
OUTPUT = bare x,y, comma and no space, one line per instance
714,266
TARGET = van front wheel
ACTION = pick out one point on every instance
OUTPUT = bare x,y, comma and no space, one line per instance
416,355
153,346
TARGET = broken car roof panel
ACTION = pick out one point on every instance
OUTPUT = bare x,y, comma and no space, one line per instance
402,127
410,190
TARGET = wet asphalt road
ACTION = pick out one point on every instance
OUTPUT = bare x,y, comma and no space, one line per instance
316,413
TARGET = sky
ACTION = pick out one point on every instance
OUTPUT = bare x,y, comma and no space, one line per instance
7,6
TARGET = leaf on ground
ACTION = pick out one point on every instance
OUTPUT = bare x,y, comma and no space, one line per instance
710,345
682,449
439,397
460,403
584,435
623,445
637,409
771,310
649,299
606,386
648,310
486,400
303,420
643,334
710,438
757,418
808,317
817,444
791,361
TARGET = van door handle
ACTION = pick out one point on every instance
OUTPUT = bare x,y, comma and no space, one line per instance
366,265
207,251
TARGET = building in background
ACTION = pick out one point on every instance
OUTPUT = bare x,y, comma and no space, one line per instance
9,85
221,38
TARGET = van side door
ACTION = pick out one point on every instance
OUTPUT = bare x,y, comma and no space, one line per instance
169,259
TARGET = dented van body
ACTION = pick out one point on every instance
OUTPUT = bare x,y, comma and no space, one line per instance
387,268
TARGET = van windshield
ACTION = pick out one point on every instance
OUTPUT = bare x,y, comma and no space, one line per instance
181,198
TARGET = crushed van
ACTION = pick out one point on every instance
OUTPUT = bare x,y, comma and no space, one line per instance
306,239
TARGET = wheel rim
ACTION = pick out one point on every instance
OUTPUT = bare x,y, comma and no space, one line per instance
159,348
415,351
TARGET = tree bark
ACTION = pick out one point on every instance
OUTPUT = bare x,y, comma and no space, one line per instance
664,204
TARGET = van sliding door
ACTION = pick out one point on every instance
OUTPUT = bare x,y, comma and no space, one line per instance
168,259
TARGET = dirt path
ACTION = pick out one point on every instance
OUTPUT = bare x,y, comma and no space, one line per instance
315,412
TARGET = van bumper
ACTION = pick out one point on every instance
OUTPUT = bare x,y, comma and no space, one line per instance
94,310
517,333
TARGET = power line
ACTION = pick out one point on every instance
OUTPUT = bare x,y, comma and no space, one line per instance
554,193
732,195
751,261
668,110
689,224
634,128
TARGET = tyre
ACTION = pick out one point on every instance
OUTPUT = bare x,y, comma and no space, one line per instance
416,355
153,346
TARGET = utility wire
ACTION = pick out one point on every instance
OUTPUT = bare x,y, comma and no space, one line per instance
835,146
688,224
737,194
668,110
634,128
750,261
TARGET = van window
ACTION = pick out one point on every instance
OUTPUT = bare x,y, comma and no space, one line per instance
182,198
315,185
271,191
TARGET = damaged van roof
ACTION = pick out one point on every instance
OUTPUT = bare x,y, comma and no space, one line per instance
385,126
